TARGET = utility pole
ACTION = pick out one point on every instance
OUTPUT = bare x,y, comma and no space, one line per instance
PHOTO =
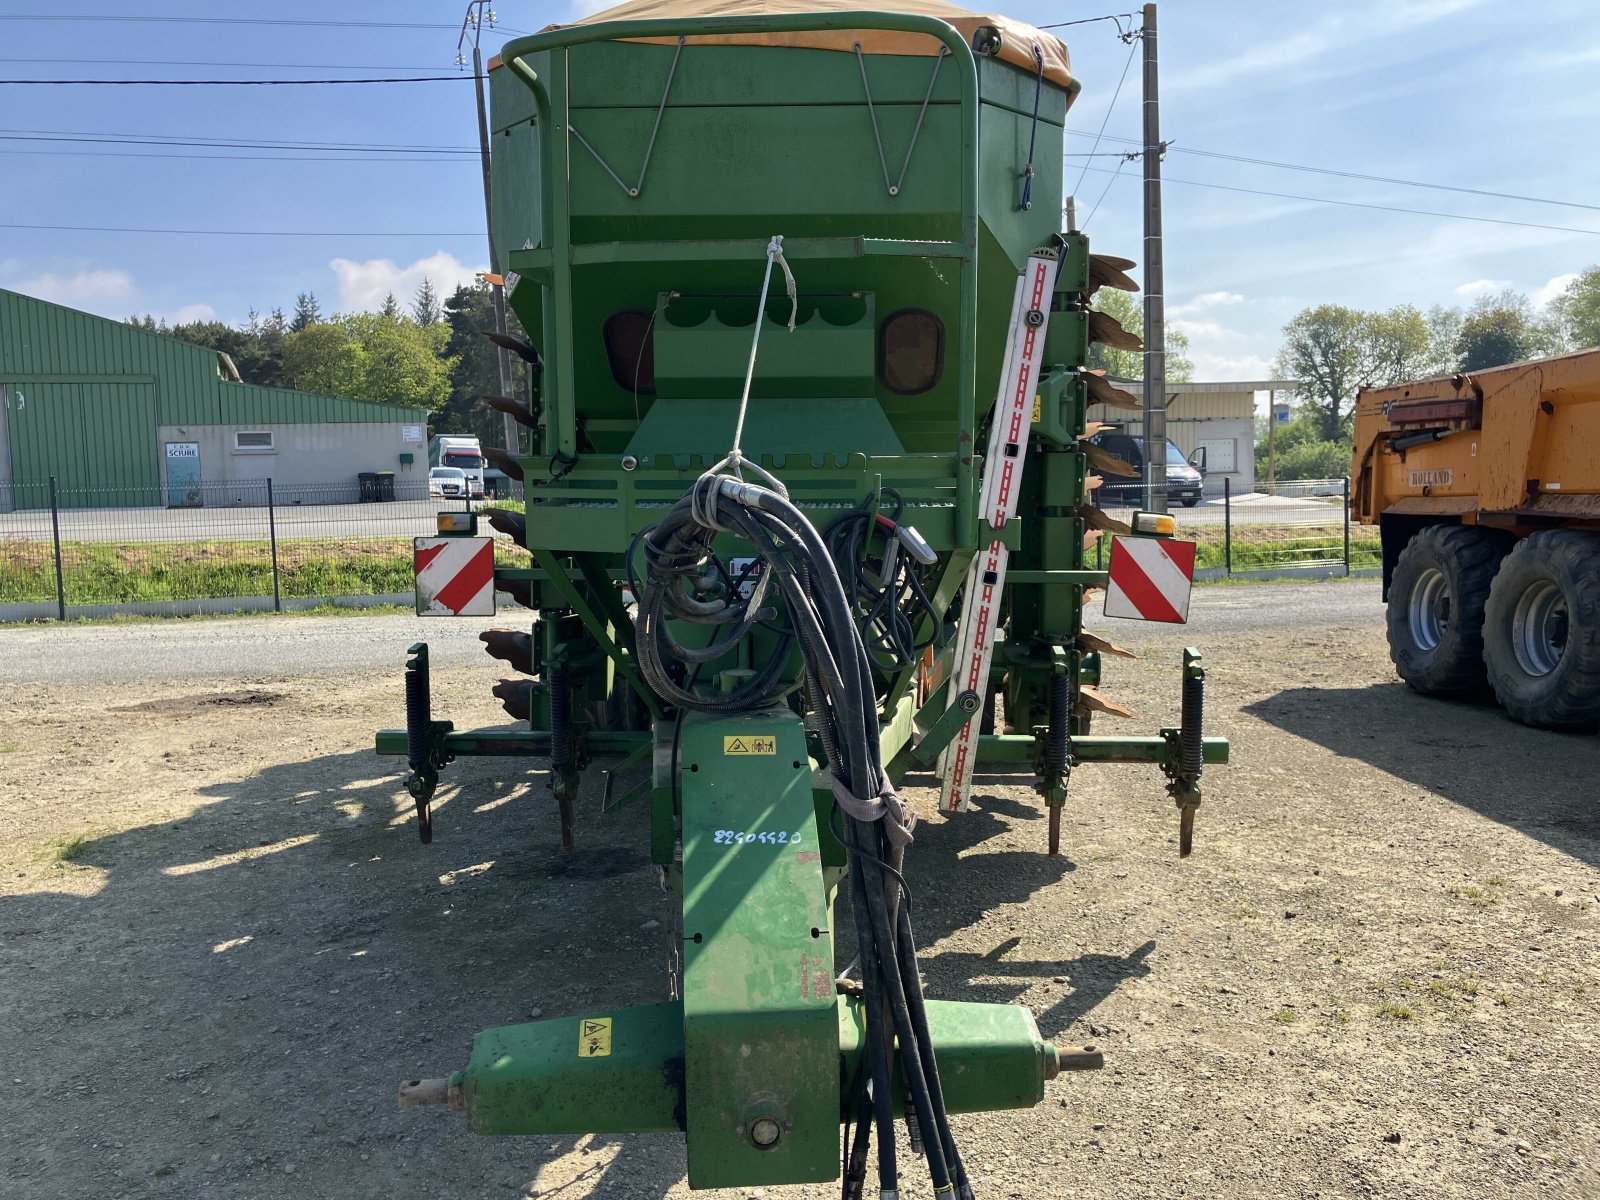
1155,332
478,14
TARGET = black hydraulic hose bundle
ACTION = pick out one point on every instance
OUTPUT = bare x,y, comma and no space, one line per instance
887,592
680,581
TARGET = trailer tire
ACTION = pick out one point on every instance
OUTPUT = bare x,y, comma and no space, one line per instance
1436,603
1542,631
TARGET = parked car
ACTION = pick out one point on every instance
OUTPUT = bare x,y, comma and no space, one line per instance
1185,477
447,482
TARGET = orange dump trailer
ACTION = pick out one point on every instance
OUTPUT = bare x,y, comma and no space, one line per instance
1486,492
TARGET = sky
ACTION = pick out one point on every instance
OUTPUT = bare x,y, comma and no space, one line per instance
1474,94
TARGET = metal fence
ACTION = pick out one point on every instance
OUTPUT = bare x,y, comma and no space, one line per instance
64,551
1279,529
66,548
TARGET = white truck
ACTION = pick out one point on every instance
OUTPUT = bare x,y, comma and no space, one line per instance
459,450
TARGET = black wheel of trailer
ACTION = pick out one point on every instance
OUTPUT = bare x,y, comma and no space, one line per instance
1436,602
1542,631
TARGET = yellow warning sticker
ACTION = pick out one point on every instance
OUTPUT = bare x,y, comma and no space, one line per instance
751,743
1038,407
594,1037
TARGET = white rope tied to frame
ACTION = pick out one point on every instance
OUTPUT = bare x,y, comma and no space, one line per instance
703,496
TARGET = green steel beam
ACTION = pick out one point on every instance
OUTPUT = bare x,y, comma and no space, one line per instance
530,262
1020,748
760,1034
622,1070
511,743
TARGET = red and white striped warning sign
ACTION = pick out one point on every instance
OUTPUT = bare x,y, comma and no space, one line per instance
1150,579
455,577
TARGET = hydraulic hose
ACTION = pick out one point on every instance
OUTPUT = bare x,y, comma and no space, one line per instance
683,581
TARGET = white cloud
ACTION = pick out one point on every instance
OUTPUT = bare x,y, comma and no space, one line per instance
1323,48
93,290
190,313
1205,331
1221,368
1481,287
1552,288
363,285
1204,303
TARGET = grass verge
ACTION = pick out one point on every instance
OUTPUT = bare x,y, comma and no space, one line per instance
132,573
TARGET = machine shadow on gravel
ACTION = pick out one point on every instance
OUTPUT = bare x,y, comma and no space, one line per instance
1468,754
991,880
251,983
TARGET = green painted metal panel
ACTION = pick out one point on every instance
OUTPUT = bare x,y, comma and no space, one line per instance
550,1077
990,1056
761,1041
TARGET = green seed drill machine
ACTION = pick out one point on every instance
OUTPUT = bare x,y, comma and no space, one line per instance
805,467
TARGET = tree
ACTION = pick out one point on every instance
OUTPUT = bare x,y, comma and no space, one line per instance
1403,345
1335,351
1129,364
323,358
306,312
1576,311
1499,329
1329,350
391,307
475,372
370,356
425,305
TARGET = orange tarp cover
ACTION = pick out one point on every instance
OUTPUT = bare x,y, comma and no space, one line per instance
1017,39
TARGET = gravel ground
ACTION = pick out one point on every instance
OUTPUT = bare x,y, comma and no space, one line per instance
221,946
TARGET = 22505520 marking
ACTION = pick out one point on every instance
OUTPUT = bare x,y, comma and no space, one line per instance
735,837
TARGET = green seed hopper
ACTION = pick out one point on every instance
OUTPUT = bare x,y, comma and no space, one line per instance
826,239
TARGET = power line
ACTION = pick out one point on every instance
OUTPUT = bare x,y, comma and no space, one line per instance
1416,212
306,233
327,158
179,139
241,144
1110,108
94,17
1104,192
225,82
1119,18
1343,174
178,62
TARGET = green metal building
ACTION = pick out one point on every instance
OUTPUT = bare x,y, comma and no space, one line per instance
123,417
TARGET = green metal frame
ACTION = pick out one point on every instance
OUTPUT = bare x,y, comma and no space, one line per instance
753,1062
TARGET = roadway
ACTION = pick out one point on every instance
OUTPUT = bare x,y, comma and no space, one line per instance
303,647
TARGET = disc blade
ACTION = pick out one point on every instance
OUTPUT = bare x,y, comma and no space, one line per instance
513,524
1108,331
515,696
1089,700
513,408
518,347
1104,272
502,461
1102,460
1098,518
1088,641
510,645
1102,391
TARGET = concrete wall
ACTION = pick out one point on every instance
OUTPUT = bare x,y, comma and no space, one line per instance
1240,433
308,464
